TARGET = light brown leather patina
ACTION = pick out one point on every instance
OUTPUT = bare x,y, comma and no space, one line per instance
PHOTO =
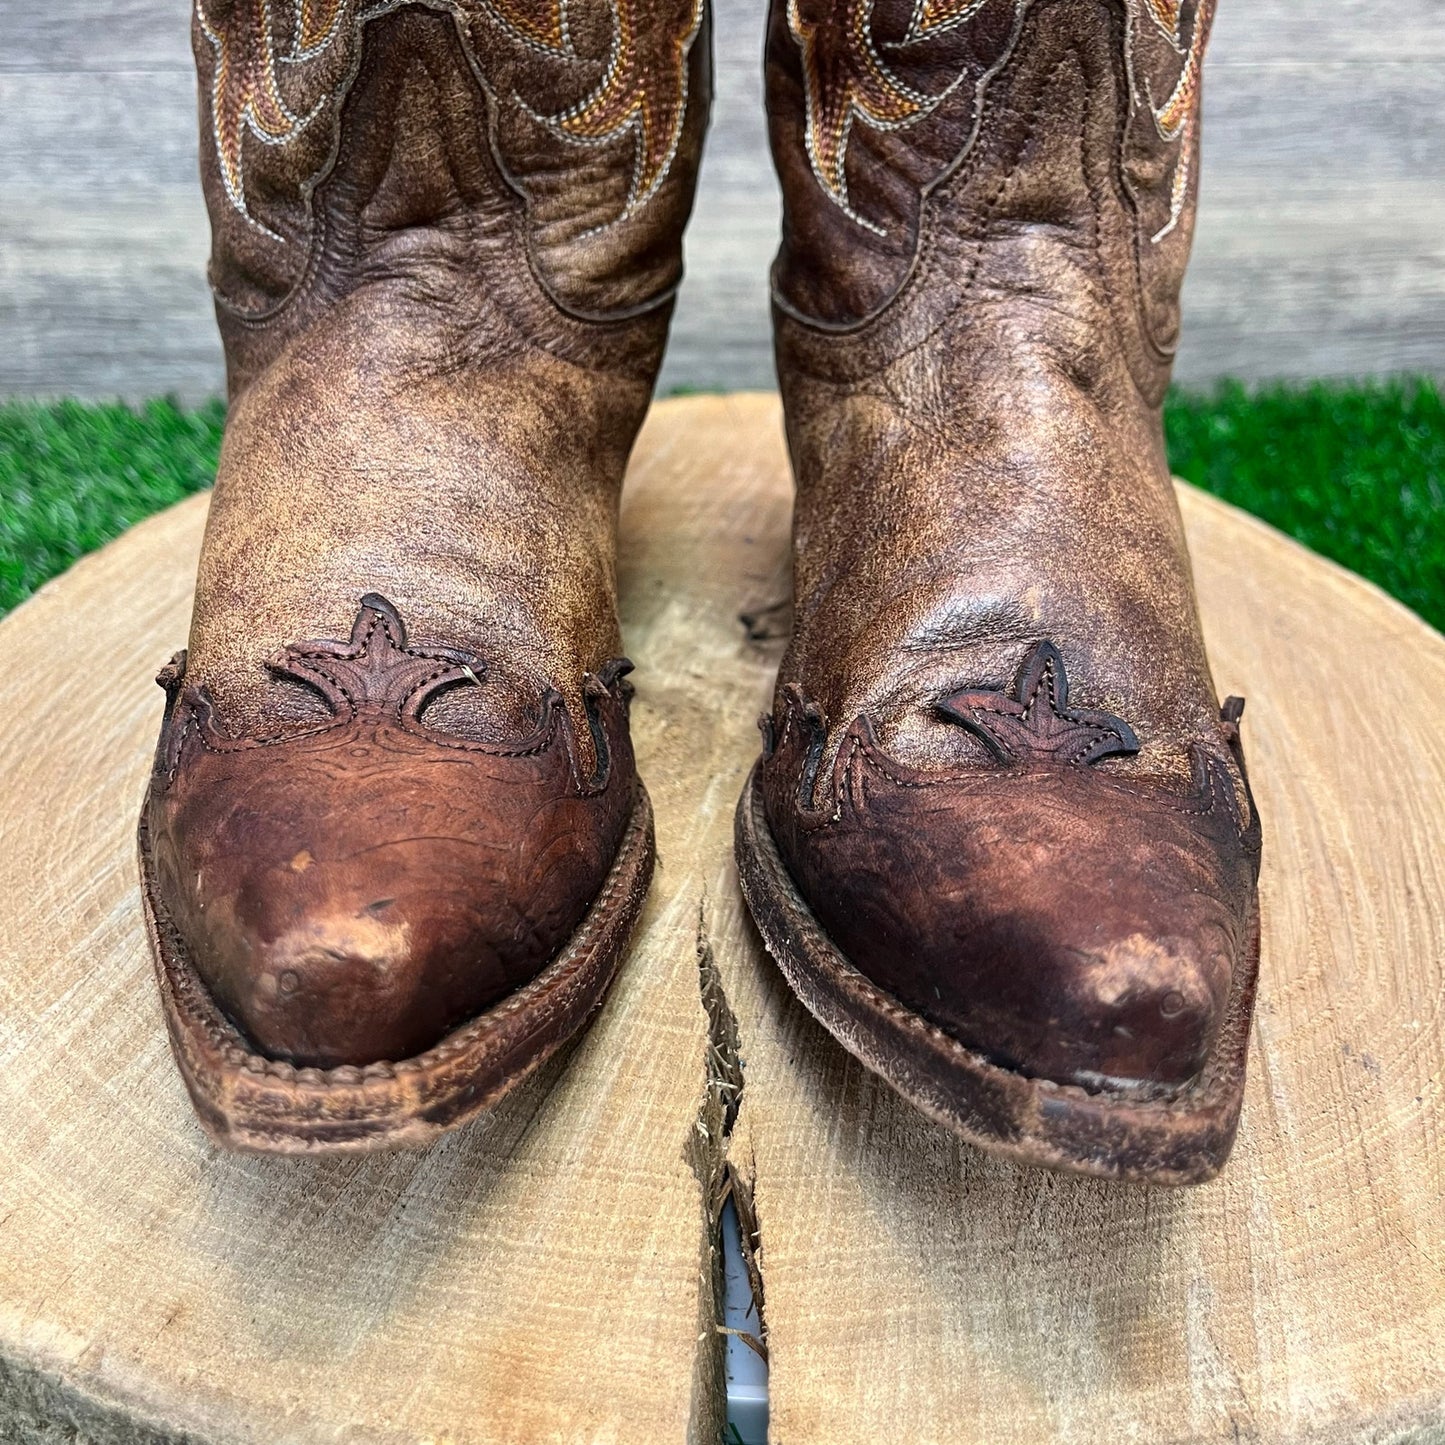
395,786
1000,787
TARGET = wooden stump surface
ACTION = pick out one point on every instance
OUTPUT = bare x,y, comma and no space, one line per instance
546,1275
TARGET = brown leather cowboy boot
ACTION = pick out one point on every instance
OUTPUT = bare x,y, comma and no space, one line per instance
394,843
1001,841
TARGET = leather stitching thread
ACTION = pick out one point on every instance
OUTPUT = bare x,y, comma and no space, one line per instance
859,748
626,99
396,712
927,257
880,100
635,94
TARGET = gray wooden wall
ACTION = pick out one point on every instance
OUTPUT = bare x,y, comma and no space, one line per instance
1320,250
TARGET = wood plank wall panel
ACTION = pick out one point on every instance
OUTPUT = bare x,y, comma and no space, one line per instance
1320,252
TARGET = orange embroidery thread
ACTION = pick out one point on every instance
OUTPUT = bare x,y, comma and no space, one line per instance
644,88
1166,15
544,26
1178,118
930,17
245,89
316,24
846,79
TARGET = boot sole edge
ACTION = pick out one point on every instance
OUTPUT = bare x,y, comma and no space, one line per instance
252,1103
1184,1139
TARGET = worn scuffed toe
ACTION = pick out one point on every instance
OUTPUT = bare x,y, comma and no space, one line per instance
385,885
1025,941
367,895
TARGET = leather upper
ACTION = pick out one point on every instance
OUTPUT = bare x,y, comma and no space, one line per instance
902,126
988,211
579,122
1060,920
445,240
352,888
443,311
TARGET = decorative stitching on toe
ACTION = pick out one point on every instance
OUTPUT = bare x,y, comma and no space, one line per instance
1033,721
377,676
1030,732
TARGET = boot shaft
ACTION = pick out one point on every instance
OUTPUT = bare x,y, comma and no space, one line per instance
1038,153
541,155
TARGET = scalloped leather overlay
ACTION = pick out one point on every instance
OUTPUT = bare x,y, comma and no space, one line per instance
1029,730
1078,924
375,671
377,680
353,889
1033,722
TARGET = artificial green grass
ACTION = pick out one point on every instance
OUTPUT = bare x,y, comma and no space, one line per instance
73,475
1355,472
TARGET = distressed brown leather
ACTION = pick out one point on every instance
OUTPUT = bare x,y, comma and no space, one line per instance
999,773
446,238
357,888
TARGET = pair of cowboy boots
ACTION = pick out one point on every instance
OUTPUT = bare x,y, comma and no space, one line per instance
1000,839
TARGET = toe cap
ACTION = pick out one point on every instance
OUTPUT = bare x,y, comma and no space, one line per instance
1132,1008
1057,921
351,897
